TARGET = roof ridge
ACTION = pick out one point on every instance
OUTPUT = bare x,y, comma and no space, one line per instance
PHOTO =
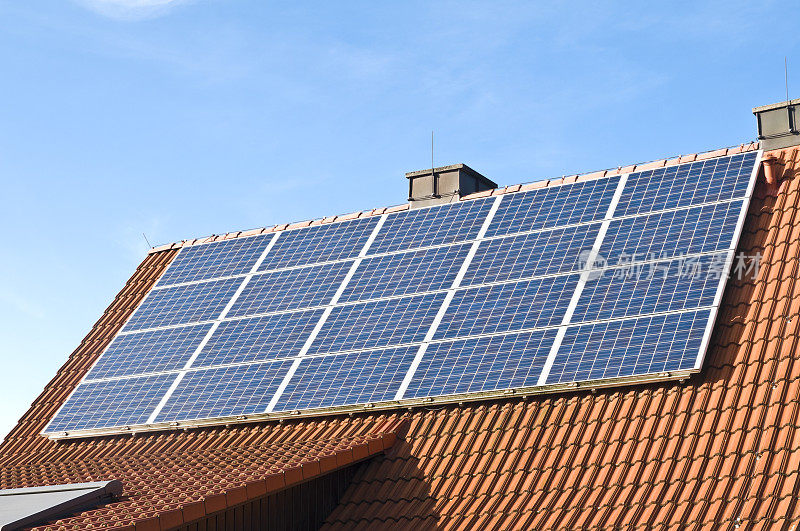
522,187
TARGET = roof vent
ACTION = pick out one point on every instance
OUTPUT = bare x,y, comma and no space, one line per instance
778,124
445,184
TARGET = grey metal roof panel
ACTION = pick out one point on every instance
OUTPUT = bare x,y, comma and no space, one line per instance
33,505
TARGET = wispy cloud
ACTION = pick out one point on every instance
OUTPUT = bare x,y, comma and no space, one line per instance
132,9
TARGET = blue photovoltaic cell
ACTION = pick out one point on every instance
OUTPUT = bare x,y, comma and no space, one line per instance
529,255
553,206
111,403
667,234
290,289
258,338
377,323
224,391
214,260
630,347
151,351
687,184
321,243
482,364
505,307
342,379
654,287
183,304
405,273
438,225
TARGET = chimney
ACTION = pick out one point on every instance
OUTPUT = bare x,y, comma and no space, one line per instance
778,124
444,185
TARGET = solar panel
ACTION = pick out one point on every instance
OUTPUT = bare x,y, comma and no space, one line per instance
616,277
290,289
424,227
530,255
149,351
534,303
404,273
482,364
554,206
651,287
342,379
258,338
215,260
321,243
377,323
182,304
109,403
224,391
694,230
630,347
707,181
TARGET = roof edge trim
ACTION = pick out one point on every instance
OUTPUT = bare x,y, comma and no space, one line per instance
590,385
778,105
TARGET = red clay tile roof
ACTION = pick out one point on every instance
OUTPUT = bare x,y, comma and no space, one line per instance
169,489
720,450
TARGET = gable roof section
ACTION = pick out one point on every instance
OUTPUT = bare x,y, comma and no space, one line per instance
721,448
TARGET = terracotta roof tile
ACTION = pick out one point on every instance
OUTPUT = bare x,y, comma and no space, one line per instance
534,186
591,176
651,165
298,225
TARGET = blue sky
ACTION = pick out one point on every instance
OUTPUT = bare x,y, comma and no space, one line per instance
186,118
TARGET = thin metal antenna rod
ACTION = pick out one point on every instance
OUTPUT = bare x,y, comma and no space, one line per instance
433,172
786,75
148,241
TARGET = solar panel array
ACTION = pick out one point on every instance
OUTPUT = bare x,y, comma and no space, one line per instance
576,282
